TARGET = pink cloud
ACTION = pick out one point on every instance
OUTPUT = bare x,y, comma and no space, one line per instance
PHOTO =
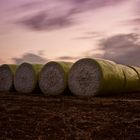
57,14
122,48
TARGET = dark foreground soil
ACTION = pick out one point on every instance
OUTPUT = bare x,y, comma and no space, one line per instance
37,117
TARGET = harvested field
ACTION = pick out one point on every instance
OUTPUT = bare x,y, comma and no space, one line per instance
36,117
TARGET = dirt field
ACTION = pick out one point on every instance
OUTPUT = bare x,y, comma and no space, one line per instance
35,117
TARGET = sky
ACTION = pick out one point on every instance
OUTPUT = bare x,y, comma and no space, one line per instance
38,31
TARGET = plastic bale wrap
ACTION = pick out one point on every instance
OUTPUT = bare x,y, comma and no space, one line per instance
132,77
137,69
26,77
53,78
95,77
7,72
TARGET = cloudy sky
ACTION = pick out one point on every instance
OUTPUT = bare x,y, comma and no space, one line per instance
41,30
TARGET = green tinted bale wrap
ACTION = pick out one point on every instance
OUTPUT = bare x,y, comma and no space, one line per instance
137,69
132,78
7,72
66,65
113,79
26,77
53,77
13,68
91,77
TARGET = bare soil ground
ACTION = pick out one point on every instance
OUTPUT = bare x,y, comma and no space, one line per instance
35,117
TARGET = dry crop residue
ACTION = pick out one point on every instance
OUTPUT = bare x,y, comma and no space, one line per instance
36,117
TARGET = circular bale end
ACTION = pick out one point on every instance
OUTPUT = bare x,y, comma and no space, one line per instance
85,77
52,79
6,78
25,78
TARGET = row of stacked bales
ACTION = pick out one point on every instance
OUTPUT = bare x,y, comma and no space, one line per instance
51,78
86,77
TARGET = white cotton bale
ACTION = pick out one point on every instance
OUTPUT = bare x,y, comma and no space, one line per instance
53,78
26,77
7,72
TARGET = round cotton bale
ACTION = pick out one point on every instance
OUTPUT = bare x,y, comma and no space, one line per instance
26,77
7,77
94,77
132,79
53,77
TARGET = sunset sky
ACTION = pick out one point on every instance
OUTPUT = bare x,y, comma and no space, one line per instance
41,30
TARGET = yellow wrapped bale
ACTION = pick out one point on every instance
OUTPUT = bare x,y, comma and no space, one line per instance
132,80
95,77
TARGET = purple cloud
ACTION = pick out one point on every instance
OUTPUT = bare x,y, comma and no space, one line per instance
122,48
65,58
136,20
93,4
89,36
57,14
42,21
30,58
29,5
